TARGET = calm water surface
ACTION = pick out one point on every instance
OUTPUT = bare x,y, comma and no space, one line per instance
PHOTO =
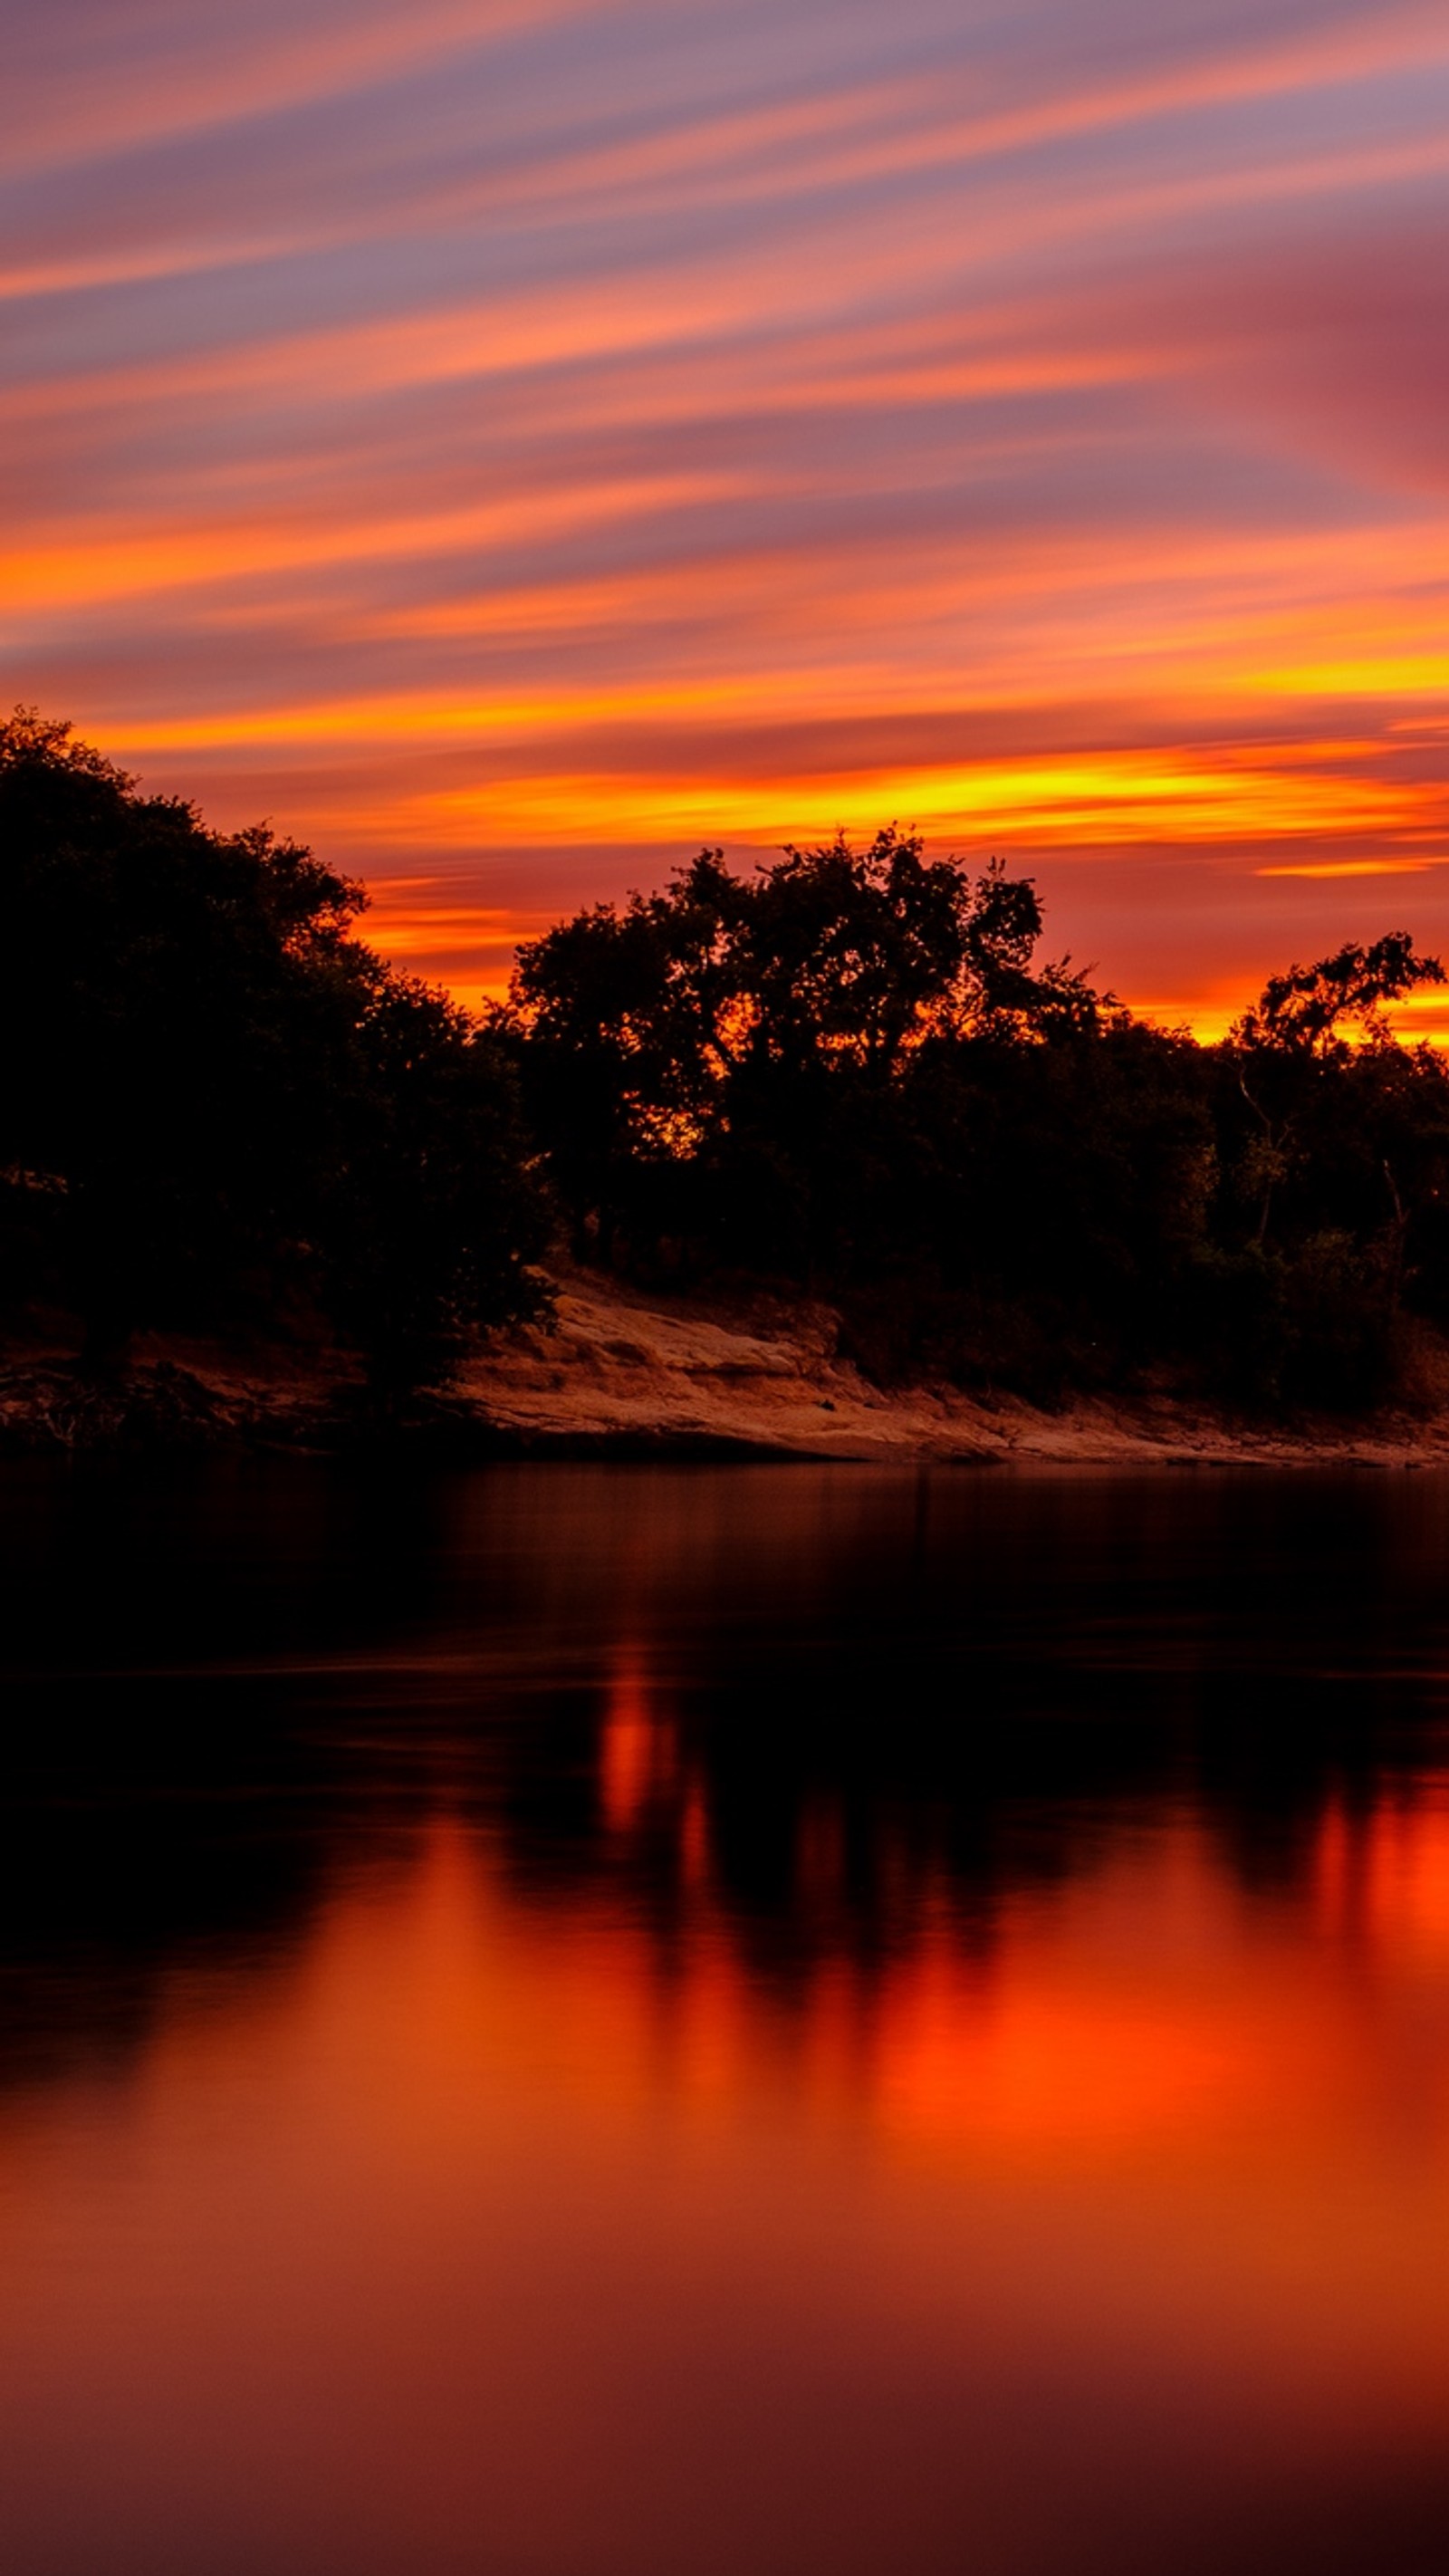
645,2022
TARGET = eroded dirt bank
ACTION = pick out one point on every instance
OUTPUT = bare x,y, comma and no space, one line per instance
622,1373
621,1369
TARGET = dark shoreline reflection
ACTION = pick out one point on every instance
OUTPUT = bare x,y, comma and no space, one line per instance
222,1683
1024,1857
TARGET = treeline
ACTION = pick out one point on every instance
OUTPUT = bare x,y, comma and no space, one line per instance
847,1074
850,1073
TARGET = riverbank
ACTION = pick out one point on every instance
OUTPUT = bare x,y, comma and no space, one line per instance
622,1373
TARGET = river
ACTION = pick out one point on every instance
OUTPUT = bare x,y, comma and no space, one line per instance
723,2021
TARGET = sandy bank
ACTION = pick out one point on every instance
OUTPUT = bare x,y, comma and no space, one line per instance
625,1374
625,1371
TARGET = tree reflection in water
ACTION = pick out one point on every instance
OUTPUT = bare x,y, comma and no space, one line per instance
826,2017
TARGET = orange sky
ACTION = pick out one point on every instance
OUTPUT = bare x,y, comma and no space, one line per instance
512,441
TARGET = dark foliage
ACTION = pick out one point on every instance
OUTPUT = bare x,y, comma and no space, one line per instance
216,1104
849,1073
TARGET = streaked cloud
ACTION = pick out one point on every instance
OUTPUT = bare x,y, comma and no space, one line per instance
512,441
1355,868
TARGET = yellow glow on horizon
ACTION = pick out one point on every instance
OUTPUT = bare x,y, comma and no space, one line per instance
1112,800
470,951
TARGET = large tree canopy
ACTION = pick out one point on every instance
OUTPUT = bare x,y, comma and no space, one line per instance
214,1098
729,1018
848,1070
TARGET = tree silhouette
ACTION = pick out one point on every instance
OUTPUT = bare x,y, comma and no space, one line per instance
848,1072
1303,1011
845,1072
223,1098
745,1028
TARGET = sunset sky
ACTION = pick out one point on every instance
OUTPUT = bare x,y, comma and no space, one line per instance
509,442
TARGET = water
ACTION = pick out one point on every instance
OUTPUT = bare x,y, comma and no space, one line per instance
626,2022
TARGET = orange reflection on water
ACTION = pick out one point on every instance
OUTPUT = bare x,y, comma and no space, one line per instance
637,1754
535,2223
